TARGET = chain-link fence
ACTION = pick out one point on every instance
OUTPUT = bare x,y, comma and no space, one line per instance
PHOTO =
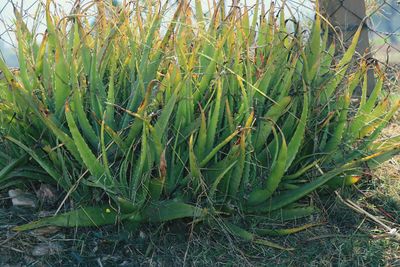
33,13
28,10
384,27
380,37
381,17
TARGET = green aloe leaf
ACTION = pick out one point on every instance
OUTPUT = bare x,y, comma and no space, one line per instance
82,217
88,158
247,236
172,210
273,180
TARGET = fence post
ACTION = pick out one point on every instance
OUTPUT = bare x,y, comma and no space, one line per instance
347,15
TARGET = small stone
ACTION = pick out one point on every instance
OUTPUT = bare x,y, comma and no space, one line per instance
47,194
142,235
45,213
22,199
49,230
46,249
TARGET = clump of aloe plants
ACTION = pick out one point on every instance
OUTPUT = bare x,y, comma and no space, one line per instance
216,114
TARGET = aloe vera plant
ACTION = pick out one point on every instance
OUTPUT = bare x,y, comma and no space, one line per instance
220,110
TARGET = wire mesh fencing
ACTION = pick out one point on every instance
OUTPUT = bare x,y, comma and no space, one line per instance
384,26
380,37
30,11
381,20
